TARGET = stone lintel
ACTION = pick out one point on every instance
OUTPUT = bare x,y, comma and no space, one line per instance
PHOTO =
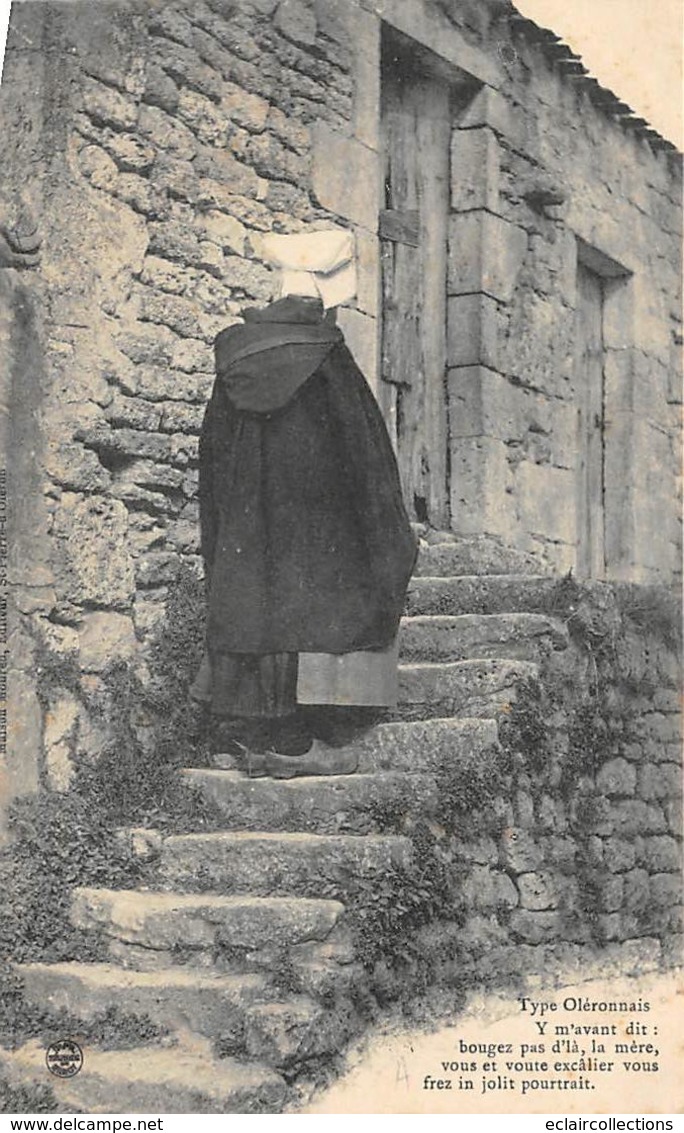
606,245
428,26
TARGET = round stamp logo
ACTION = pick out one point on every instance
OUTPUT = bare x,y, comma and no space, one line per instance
64,1058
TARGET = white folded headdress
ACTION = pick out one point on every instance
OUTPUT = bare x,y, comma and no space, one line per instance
320,264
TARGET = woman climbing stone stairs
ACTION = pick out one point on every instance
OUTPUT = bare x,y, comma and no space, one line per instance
236,943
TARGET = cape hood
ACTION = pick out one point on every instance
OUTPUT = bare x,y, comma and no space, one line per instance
264,362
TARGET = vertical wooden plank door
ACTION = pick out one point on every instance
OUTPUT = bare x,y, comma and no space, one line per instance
589,351
413,232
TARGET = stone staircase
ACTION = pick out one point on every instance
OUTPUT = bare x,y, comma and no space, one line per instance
239,940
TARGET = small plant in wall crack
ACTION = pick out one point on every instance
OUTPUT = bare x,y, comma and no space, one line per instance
386,911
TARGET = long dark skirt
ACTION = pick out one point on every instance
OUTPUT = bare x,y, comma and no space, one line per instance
272,685
261,686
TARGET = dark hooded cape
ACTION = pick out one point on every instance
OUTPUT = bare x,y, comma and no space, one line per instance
306,541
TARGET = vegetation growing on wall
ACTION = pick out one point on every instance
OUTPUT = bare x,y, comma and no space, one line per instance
558,735
65,839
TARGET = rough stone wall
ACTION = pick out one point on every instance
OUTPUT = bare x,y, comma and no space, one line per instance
585,851
27,148
200,151
540,179
154,142
163,140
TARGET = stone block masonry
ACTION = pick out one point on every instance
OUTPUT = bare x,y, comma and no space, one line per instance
535,192
181,133
173,137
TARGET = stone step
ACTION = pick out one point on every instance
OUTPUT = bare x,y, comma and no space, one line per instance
243,1010
335,951
176,998
185,1078
412,747
471,688
482,594
275,863
476,636
324,804
163,921
454,555
298,1029
423,745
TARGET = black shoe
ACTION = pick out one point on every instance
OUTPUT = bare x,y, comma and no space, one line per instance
318,760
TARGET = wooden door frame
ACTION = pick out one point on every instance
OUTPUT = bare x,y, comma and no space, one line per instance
619,530
590,397
411,227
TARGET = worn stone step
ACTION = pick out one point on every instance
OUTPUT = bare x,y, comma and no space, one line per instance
424,745
244,1010
298,1029
434,637
177,998
454,555
482,594
284,967
266,959
185,1078
277,863
416,746
475,688
324,804
162,921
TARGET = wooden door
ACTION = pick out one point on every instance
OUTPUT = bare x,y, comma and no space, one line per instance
589,357
413,231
